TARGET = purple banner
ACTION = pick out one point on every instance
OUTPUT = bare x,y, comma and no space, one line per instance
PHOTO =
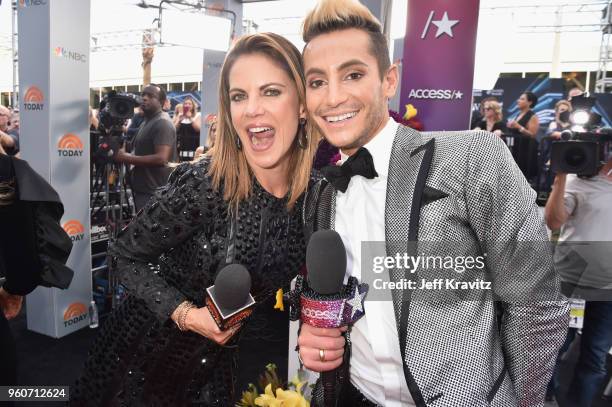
438,62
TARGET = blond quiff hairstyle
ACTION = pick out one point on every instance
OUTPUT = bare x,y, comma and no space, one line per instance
335,15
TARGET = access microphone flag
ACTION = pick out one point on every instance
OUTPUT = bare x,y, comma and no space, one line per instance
229,300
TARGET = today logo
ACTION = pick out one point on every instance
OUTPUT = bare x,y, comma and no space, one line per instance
62,52
30,3
76,312
33,99
70,145
75,230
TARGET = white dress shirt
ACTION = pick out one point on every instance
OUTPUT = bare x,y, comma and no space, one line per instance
376,363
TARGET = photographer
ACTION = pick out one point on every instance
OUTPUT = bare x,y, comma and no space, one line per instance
580,207
154,148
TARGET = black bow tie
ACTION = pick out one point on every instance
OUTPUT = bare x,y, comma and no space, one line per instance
360,163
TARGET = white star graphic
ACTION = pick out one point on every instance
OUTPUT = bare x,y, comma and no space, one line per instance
356,302
458,95
445,26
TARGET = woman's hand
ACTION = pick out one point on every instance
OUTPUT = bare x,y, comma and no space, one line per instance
498,133
10,304
513,124
201,322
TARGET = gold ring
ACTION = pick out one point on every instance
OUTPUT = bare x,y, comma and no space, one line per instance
322,355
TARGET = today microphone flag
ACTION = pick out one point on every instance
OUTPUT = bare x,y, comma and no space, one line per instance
438,62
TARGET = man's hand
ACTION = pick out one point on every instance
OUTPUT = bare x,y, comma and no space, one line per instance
120,154
10,304
330,340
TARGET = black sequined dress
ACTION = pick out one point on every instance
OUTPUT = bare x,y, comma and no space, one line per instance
170,253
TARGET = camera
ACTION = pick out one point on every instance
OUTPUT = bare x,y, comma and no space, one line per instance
581,153
116,109
583,148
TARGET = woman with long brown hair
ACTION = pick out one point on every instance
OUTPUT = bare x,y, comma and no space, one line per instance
241,204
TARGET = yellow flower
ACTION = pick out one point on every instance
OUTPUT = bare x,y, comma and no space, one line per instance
267,399
284,398
297,383
279,300
411,112
290,398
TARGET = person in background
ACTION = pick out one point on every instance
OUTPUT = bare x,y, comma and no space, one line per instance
93,119
154,148
478,115
527,122
492,120
187,123
211,120
9,137
14,123
167,106
573,92
33,248
563,108
177,110
524,130
580,208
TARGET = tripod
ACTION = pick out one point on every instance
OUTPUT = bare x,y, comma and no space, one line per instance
112,205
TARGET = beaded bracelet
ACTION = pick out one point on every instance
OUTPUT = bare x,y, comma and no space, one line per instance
183,309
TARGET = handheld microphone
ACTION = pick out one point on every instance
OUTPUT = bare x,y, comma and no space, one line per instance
326,302
229,300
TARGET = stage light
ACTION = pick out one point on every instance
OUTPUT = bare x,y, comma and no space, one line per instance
579,117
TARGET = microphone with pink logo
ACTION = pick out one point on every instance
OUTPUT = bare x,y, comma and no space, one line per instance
322,300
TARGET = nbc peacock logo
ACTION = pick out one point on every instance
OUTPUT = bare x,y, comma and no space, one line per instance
75,230
30,3
76,312
33,99
70,145
65,53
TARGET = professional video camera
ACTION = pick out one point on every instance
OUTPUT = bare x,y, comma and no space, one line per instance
584,148
115,110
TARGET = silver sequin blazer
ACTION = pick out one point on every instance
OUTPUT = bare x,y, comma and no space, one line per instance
464,191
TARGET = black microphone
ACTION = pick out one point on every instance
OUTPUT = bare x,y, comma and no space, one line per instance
229,300
326,262
327,302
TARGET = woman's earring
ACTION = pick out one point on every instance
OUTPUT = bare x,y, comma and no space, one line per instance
301,136
238,143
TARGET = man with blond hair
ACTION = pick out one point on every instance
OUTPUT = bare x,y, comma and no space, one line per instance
460,190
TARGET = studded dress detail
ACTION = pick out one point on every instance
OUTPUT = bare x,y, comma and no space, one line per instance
171,253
